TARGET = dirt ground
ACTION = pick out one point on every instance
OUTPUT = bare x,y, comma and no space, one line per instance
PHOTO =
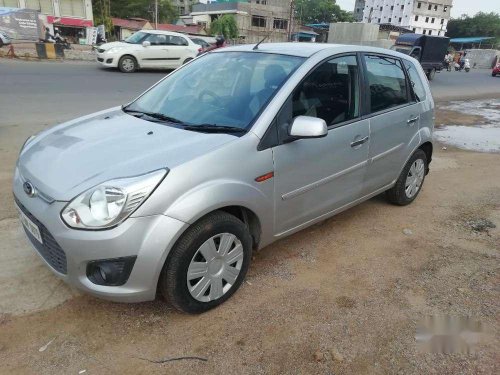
342,297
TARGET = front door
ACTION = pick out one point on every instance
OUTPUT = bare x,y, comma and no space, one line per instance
313,177
156,54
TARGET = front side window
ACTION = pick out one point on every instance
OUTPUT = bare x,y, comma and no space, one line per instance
330,92
387,82
157,39
239,86
416,82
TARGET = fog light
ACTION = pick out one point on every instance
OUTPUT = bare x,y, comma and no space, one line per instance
110,272
109,61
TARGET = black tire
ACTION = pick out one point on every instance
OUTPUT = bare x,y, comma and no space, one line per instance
126,61
187,60
430,74
397,194
173,279
493,75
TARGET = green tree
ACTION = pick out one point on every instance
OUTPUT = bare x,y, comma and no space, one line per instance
225,25
320,11
104,9
481,24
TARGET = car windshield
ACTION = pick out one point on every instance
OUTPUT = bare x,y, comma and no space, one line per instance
136,38
226,89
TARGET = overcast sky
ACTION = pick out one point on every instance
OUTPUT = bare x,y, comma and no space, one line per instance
460,7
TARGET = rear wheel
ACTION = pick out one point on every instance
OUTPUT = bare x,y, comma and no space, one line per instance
410,181
127,64
187,60
208,263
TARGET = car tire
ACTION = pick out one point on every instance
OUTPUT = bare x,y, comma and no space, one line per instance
430,74
493,74
410,181
127,64
187,60
188,270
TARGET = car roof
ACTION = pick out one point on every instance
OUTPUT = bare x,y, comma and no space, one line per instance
163,32
308,49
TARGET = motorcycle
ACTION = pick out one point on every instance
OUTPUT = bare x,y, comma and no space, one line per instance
466,65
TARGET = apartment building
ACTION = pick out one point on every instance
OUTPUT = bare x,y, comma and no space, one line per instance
255,19
422,16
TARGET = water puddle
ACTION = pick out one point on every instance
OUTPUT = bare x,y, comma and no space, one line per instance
482,137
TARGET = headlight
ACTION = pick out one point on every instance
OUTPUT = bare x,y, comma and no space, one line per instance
110,203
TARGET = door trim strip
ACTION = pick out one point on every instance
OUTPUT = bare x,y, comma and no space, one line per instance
323,181
386,152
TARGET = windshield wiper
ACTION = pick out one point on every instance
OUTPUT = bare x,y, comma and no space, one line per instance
157,116
213,128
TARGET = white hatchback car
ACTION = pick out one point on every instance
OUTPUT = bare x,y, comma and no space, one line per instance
148,49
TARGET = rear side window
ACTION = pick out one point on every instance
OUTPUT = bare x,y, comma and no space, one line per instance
387,82
176,41
416,82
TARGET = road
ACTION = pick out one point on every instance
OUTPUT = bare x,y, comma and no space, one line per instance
340,297
57,91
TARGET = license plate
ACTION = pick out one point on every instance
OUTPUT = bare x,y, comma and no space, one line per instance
30,226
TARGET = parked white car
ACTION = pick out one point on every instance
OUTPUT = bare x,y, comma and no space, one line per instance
148,49
4,39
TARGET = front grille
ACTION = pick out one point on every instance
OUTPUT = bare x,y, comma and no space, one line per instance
50,249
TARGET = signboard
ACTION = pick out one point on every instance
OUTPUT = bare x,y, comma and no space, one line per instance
20,23
91,35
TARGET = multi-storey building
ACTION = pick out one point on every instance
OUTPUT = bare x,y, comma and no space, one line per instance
422,16
255,19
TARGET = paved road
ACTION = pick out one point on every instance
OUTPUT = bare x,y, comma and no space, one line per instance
460,85
50,92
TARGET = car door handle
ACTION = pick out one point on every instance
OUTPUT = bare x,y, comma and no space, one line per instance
360,141
413,120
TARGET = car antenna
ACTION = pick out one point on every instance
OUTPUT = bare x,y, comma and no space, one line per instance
256,47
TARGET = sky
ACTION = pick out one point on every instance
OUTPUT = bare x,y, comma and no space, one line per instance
460,7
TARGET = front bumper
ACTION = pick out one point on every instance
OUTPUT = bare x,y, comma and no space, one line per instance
106,59
149,238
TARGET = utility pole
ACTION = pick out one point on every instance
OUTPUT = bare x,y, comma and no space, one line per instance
290,20
156,14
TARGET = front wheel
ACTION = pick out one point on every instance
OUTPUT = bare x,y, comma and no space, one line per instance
208,263
127,64
431,73
410,181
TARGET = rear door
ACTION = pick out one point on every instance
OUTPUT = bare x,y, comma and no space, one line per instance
178,51
313,177
394,119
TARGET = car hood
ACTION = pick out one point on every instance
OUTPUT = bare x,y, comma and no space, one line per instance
68,159
107,46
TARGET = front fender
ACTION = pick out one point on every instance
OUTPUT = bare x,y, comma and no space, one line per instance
216,194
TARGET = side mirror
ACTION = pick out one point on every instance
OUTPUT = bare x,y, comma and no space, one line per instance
146,43
308,127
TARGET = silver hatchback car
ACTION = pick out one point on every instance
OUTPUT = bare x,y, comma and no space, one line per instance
173,191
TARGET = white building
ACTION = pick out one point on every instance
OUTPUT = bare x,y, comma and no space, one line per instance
421,16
